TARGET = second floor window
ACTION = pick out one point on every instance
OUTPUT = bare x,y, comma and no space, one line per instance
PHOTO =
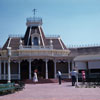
35,41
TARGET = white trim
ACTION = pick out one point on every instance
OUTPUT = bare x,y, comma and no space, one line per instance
4,70
61,43
9,71
30,69
9,42
29,36
69,69
46,62
41,36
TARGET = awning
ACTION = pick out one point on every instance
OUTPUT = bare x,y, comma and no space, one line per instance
87,58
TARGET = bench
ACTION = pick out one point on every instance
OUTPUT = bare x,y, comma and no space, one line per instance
20,85
6,88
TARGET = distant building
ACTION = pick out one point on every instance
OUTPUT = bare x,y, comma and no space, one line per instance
87,58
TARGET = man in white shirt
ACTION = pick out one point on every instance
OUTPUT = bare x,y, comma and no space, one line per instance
74,74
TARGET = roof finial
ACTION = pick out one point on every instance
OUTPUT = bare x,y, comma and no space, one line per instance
34,11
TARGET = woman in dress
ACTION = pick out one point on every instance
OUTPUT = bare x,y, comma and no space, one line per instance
35,78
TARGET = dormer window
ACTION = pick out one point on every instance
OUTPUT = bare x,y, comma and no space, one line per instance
35,38
35,41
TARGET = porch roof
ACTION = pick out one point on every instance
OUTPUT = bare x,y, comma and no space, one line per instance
87,57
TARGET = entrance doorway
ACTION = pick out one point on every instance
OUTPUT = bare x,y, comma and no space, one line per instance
50,69
40,66
24,69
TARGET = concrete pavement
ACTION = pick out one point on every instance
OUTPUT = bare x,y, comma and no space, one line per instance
54,91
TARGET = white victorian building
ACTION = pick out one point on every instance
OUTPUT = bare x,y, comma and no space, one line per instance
20,56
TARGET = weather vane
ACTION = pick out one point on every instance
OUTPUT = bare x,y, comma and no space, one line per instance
34,12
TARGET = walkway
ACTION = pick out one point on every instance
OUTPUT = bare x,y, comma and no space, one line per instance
53,91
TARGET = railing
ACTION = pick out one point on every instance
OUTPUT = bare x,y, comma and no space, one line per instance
83,45
37,51
35,47
13,53
3,53
52,36
43,53
13,76
34,19
65,75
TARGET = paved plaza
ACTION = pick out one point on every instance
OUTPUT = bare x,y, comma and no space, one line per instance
54,91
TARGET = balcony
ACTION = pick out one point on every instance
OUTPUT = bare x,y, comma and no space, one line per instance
39,51
53,53
34,21
35,47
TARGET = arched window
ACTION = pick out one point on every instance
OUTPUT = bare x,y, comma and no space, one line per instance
35,41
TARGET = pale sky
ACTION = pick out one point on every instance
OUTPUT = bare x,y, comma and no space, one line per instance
76,21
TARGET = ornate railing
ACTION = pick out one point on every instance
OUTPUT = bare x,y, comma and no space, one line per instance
13,76
34,20
36,52
65,75
35,47
43,53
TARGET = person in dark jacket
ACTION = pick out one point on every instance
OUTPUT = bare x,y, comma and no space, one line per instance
59,77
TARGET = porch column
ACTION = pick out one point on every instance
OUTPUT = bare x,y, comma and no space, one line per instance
46,74
30,76
73,65
4,70
0,69
55,69
19,70
69,69
9,71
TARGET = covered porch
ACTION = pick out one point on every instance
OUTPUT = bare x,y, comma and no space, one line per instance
23,69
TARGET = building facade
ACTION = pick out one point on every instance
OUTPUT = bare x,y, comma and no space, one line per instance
20,56
87,59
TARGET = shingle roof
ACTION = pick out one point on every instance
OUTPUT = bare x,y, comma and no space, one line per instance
14,42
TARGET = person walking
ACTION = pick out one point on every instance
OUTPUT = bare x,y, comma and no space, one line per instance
35,78
59,77
74,74
83,77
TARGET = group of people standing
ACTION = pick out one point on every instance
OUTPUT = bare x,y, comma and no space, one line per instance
73,74
74,77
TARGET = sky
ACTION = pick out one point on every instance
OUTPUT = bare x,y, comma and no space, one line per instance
76,21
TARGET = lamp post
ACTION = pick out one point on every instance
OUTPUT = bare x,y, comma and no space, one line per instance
76,68
9,55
